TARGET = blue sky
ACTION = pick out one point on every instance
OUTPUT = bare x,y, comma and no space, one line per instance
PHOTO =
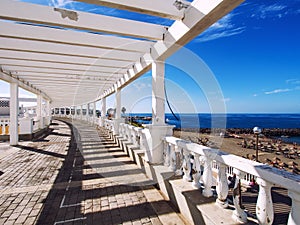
253,53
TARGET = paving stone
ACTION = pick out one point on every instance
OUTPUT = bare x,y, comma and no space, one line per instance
80,194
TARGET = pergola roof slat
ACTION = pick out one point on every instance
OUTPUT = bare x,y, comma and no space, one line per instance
32,13
62,49
161,8
71,37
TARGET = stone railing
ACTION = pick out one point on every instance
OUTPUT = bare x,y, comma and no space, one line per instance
25,125
4,126
197,162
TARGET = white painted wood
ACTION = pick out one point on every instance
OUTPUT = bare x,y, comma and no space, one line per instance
164,8
34,64
6,77
64,49
198,17
14,111
77,60
72,37
13,10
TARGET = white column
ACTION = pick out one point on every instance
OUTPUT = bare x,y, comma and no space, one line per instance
39,111
48,112
103,111
14,111
94,112
87,112
81,112
158,93
294,217
158,130
118,118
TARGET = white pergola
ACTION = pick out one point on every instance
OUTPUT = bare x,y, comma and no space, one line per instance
74,57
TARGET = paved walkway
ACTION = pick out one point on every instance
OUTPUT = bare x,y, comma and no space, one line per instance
76,175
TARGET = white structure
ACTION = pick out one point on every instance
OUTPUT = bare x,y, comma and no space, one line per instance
71,68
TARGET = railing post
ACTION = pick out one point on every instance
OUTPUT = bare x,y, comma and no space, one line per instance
167,153
294,217
222,186
197,174
187,166
264,205
207,177
239,214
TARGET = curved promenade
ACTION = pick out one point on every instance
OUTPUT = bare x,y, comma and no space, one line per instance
76,175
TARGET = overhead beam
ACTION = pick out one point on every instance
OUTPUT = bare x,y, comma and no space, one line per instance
68,75
71,37
20,69
26,86
32,13
44,57
198,17
63,49
51,65
160,8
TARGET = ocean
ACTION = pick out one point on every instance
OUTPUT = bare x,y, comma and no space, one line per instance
232,120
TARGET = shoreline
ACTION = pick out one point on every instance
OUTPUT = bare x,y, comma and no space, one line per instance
273,152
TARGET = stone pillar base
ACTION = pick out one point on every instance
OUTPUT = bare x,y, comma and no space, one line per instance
117,125
154,143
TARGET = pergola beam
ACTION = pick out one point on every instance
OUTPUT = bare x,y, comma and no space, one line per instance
25,85
198,17
71,37
62,59
32,13
63,49
51,65
160,8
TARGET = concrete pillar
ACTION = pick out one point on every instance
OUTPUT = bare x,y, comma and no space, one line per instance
14,111
94,113
118,118
39,111
103,111
158,129
48,112
158,93
87,116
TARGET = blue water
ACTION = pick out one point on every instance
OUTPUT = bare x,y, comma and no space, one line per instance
204,120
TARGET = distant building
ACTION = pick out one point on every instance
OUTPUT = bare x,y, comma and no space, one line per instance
4,107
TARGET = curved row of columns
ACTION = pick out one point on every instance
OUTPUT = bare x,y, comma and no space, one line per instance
157,129
42,114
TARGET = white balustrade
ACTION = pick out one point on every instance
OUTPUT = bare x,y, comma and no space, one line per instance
264,206
4,126
187,155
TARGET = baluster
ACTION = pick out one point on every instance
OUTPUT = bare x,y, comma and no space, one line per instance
239,214
264,205
172,162
166,153
187,166
207,177
222,186
294,217
197,174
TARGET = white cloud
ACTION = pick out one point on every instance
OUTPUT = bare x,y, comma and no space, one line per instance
222,28
293,81
276,91
274,10
60,3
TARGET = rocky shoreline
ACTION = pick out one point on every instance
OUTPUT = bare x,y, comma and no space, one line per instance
268,132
